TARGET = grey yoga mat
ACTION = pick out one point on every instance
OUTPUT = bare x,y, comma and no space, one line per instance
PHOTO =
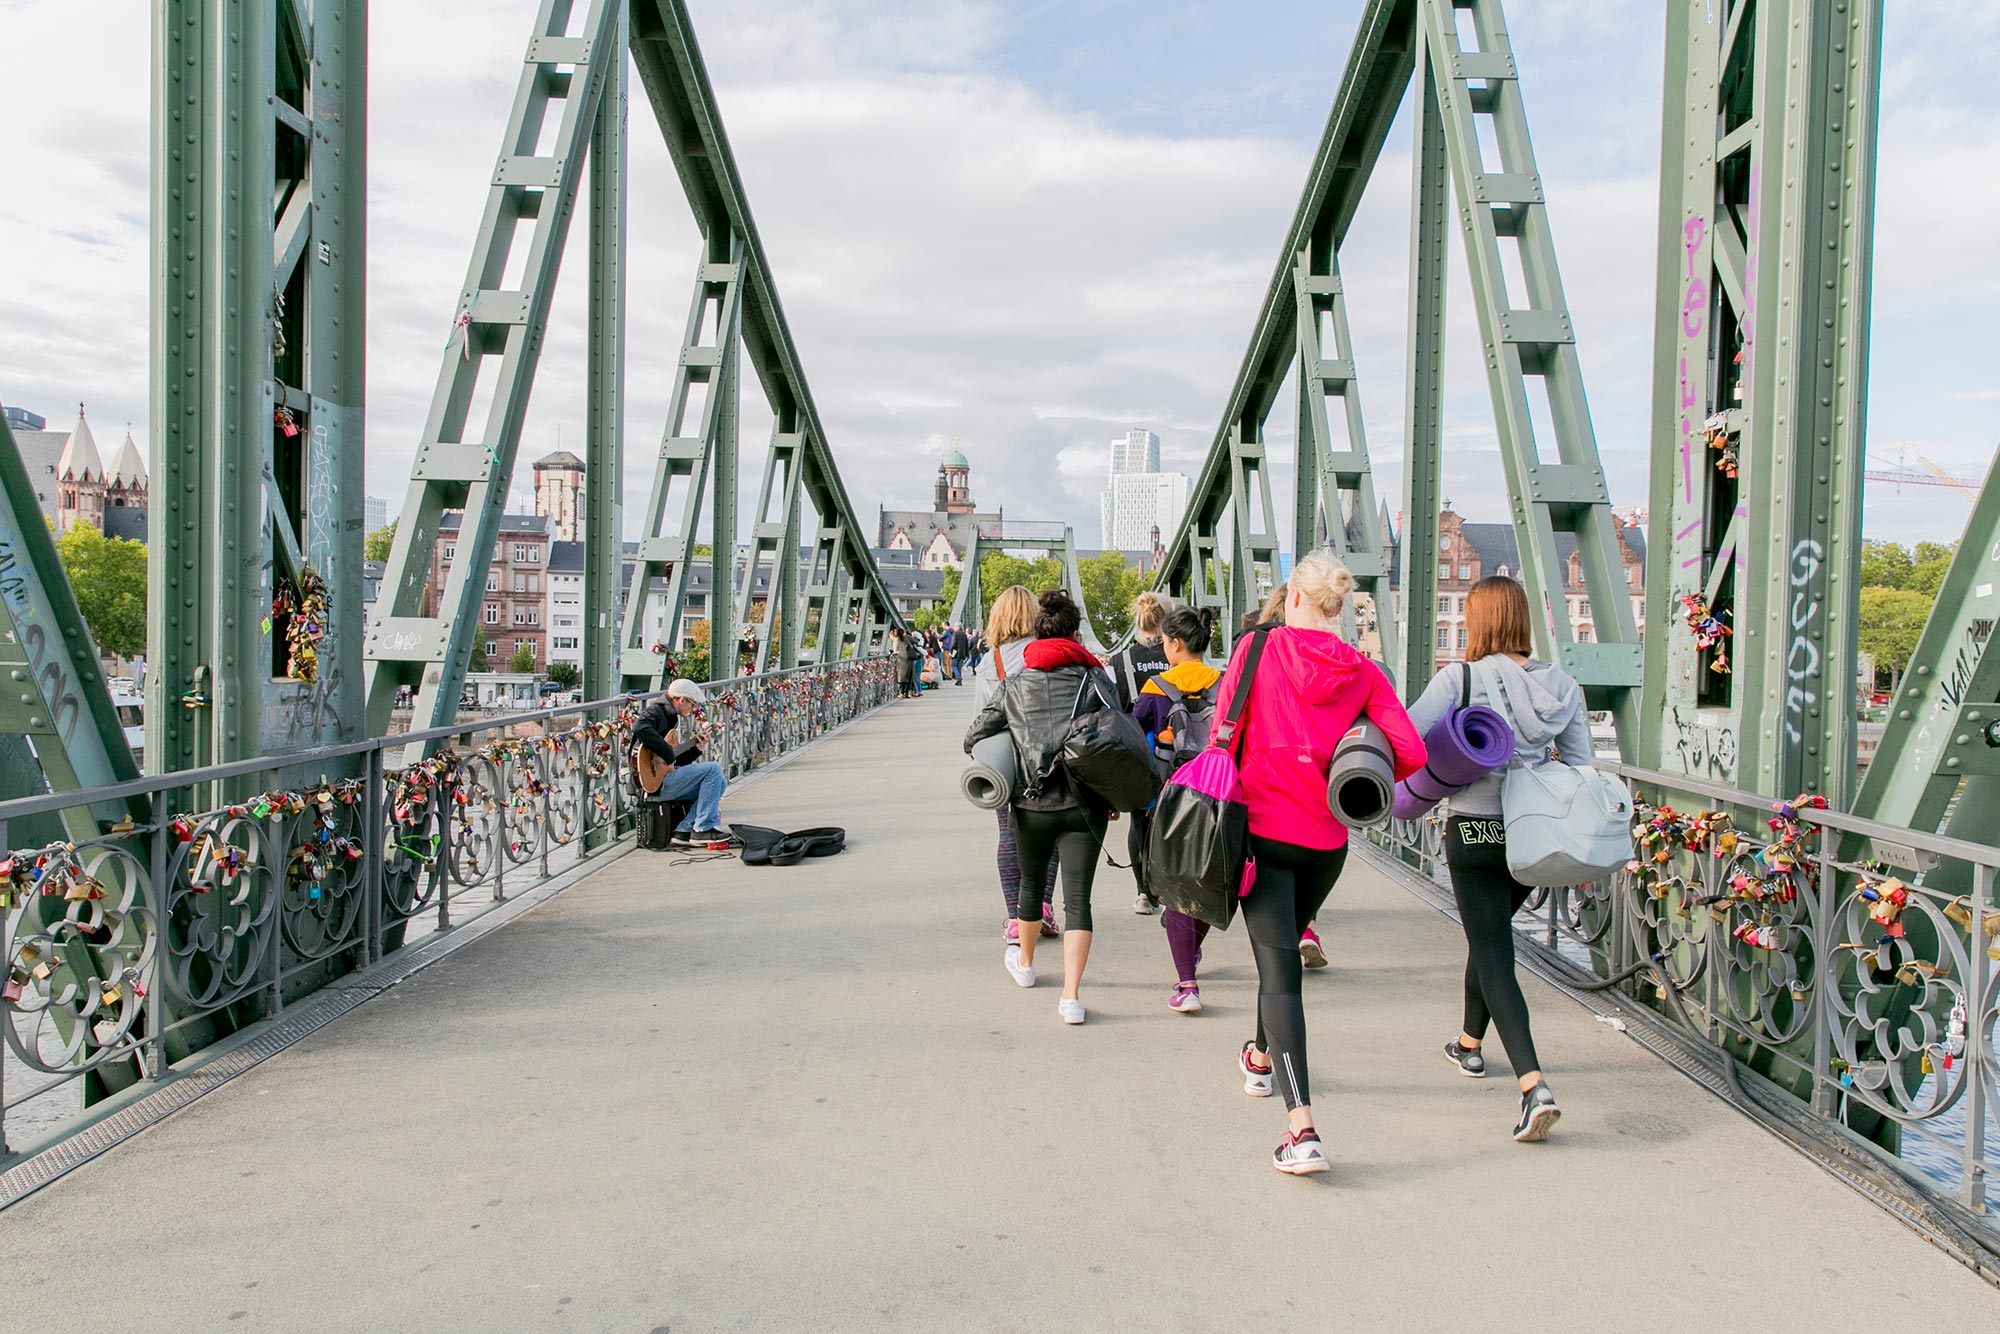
988,782
1361,780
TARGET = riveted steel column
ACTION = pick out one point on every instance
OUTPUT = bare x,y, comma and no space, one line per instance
604,422
1423,451
1767,166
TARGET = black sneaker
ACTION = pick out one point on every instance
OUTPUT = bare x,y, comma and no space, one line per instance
1468,1060
1539,1115
710,837
683,838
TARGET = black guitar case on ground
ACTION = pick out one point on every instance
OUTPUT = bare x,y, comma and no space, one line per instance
775,847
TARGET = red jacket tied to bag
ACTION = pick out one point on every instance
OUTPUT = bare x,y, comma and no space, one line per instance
1309,688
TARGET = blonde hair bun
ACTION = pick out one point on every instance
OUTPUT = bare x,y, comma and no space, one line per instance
1149,613
1323,581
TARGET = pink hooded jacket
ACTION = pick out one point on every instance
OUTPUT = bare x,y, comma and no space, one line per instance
1309,689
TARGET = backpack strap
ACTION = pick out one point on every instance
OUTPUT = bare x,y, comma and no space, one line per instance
1226,734
1465,685
1174,694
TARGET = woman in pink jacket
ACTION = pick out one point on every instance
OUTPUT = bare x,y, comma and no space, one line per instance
1307,689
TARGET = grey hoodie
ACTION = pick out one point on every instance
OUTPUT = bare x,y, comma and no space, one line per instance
1539,700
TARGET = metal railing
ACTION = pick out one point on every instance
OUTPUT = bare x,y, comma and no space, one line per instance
127,954
1853,965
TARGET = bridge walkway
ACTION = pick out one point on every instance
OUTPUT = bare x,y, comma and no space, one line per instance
694,1097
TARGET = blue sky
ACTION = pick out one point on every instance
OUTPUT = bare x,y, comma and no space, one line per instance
1025,226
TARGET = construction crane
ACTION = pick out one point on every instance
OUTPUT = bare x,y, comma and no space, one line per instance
1925,474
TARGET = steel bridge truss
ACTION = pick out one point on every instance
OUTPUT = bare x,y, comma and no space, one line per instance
970,607
826,590
1458,58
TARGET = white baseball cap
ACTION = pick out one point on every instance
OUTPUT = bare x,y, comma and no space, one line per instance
682,688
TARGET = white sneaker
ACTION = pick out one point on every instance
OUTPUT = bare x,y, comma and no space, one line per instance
1022,973
1142,905
1070,1010
1256,1083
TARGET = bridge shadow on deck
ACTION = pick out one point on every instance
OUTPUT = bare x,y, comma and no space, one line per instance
707,1096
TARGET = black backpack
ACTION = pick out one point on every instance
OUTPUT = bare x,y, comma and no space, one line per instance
1191,718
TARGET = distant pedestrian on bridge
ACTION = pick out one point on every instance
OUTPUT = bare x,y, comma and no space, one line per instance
1307,687
1131,668
1010,629
1051,811
1545,708
902,652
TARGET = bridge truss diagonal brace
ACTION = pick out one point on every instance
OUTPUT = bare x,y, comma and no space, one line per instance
777,541
1939,756
708,357
495,331
1423,451
1336,502
1532,341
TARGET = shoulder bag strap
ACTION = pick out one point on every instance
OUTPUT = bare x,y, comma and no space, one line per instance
1465,685
1227,732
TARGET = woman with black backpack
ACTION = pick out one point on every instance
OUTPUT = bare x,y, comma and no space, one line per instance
1060,680
1177,709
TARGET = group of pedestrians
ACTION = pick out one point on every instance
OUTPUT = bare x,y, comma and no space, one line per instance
1304,687
926,659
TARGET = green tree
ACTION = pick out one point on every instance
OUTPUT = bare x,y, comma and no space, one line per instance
1929,564
1885,565
108,576
376,545
692,662
1109,587
523,660
564,674
999,572
479,662
1891,620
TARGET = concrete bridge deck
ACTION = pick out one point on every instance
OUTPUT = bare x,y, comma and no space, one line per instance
719,1097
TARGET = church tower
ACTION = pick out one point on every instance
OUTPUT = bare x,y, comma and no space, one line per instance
559,494
954,485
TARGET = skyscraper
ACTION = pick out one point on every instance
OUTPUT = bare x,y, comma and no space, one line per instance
1139,498
375,513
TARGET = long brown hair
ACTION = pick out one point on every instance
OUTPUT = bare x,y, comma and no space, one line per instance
1496,619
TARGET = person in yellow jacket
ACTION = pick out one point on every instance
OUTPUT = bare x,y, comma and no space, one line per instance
1183,694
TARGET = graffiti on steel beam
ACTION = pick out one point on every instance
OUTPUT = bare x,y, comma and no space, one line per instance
1694,313
1956,679
1705,746
47,665
1802,662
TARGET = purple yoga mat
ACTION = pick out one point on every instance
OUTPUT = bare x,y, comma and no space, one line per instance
1465,745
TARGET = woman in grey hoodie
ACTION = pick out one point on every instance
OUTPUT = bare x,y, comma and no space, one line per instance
1545,708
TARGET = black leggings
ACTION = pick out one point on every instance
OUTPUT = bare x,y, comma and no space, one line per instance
1292,883
1475,848
1074,836
1135,848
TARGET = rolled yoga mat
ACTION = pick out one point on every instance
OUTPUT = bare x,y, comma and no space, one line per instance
1465,745
988,782
1361,781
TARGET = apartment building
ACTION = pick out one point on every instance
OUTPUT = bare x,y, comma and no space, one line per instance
514,608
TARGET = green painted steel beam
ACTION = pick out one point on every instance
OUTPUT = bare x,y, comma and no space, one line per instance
1423,403
1767,161
1937,765
495,331
258,297
1371,87
1548,448
675,78
604,421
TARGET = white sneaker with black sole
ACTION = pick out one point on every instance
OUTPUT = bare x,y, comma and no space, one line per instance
1301,1155
1022,973
1539,1115
1256,1083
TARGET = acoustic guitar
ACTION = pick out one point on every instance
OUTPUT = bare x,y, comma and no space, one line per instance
650,770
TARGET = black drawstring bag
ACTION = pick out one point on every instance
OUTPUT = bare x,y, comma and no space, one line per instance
1106,750
774,847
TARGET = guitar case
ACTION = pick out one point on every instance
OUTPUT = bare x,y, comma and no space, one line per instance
774,847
